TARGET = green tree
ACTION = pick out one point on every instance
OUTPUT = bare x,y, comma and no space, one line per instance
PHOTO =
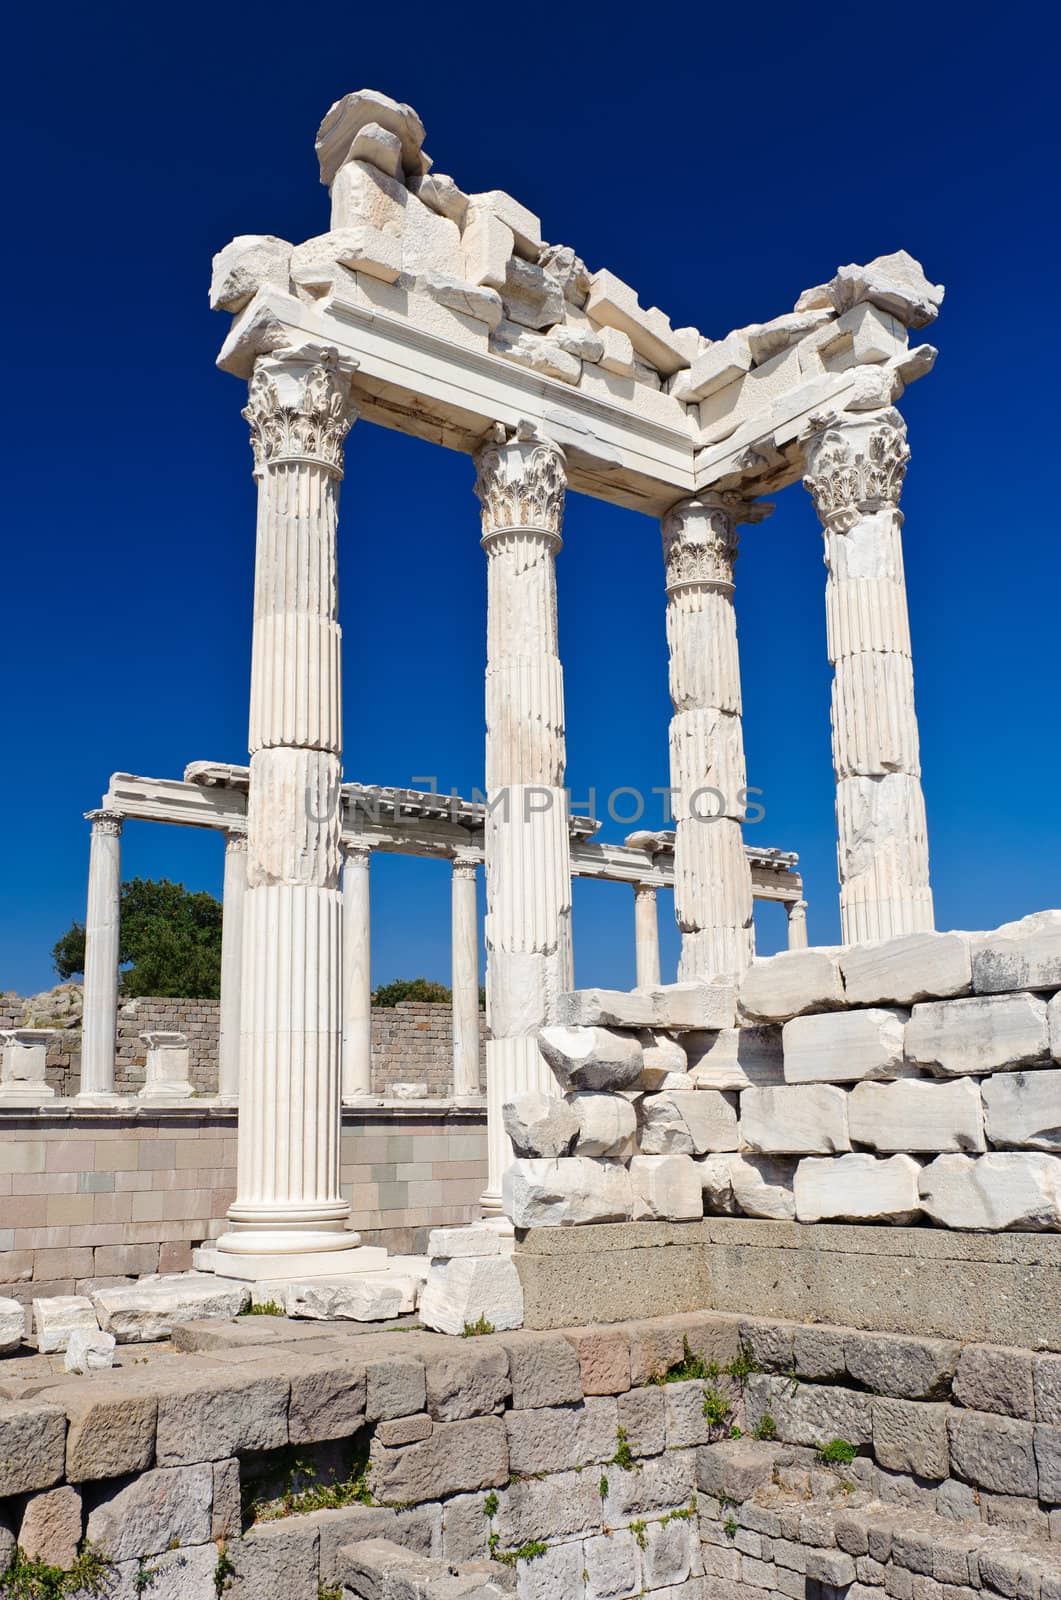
169,942
392,994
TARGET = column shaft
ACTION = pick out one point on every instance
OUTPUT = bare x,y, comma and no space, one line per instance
521,485
234,895
99,1025
796,911
646,935
357,972
855,469
465,979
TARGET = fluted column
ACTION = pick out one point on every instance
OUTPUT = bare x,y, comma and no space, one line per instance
855,468
99,1023
289,1206
796,911
233,895
357,971
712,878
520,484
646,935
465,976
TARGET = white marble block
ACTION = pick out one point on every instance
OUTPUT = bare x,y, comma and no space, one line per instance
754,1186
801,1119
736,1058
688,1122
1024,1109
666,1005
666,1189
1053,1019
572,1189
663,1057
916,966
1019,955
23,1066
89,1351
148,1310
460,1292
444,1244
913,1114
55,1318
857,1188
168,1067
12,1325
591,1058
1004,1189
844,1046
775,988
607,1124
539,1124
367,1297
985,1033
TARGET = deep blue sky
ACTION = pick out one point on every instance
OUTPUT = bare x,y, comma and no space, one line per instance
720,159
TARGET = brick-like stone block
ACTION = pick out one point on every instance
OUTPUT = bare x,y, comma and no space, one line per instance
202,1417
641,1414
111,1427
808,1413
603,1358
328,1398
397,1386
543,1369
735,1468
458,1457
153,1512
553,1507
1046,1379
556,1438
995,1378
225,1521
994,1453
909,1436
276,1558
51,1526
466,1380
32,1445
1048,1462
901,1365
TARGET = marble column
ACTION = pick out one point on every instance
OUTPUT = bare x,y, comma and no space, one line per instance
99,1023
233,894
289,1214
855,468
796,911
465,976
521,483
357,971
646,935
712,878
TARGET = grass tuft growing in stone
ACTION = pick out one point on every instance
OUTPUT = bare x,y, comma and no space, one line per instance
224,1571
268,1308
766,1428
328,1592
836,1452
624,1456
475,1330
508,1558
716,1407
297,1487
690,1367
30,1578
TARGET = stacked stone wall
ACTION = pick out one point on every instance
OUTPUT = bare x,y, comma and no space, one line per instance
700,1457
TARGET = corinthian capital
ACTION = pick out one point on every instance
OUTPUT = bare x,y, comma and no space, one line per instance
700,538
855,464
109,822
520,483
299,409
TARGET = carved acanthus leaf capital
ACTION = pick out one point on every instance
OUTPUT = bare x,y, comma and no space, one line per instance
356,852
299,409
700,543
855,465
108,822
236,840
465,866
520,483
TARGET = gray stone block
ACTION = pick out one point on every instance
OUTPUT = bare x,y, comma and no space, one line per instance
111,1428
465,1528
685,1420
557,1572
51,1526
735,1468
397,1386
1048,1461
206,1418
770,1344
152,1512
225,1522
1046,1381
671,1553
556,1438
466,1380
994,1453
458,1457
661,1483
543,1369
906,1367
909,1436
995,1378
32,1445
819,1353
612,1566
641,1415
185,1574
328,1398
418,1529
555,1507
808,1413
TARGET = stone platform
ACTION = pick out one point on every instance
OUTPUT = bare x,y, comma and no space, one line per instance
1003,1287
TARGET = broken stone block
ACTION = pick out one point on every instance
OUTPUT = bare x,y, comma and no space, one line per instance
607,1125
663,1056
720,364
56,1316
692,1005
775,988
540,1124
1020,955
443,1244
912,1115
442,194
995,1191
361,248
591,1058
51,1527
348,116
536,351
901,1365
842,1046
995,1378
985,1033
367,1297
754,1186
613,304
736,1058
617,353
580,342
486,249
530,296
665,1189
466,1289
457,1458
157,1511
569,270
12,1325
467,298
994,1453
896,283
857,1188
689,1122
248,262
379,147
606,1008
818,298
149,1309
770,338
917,966
571,1190
807,1413
89,1350
802,1119
1024,1108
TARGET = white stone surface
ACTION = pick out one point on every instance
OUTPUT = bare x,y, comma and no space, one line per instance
56,1317
540,1125
662,1054
693,1003
357,962
460,1292
916,966
857,1188
572,1189
89,1350
12,1325
736,1058
607,1124
897,283
244,265
444,1244
755,1186
996,1191
1024,1109
914,1115
981,1034
148,1310
24,1065
233,895
775,988
804,1119
844,1046
591,1058
1020,955
666,1188
168,1068
369,1297
348,116
100,1019
607,1008
689,1122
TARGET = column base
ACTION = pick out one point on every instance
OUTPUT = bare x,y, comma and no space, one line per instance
102,1097
29,1095
253,1256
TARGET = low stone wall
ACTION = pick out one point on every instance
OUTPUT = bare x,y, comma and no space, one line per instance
703,1457
90,1194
